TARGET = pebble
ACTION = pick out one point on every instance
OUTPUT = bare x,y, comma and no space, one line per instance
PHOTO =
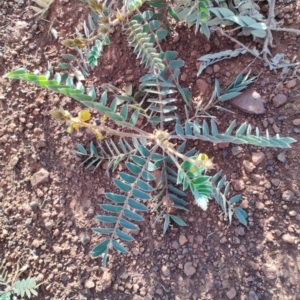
34,205
189,269
249,102
238,185
290,84
85,239
292,213
257,158
281,157
236,150
231,293
259,205
275,182
42,176
249,166
166,271
89,284
276,128
296,122
279,100
252,296
175,245
287,195
270,271
288,238
182,240
202,86
223,240
240,230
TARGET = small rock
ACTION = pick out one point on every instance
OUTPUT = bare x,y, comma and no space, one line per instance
296,122
182,240
217,284
252,296
292,213
257,158
223,240
166,271
183,76
89,284
259,205
290,84
240,230
199,239
270,271
85,239
249,166
279,100
34,205
231,293
175,245
238,185
275,182
14,161
276,128
288,238
49,225
42,176
216,68
202,86
281,157
188,269
106,280
249,102
236,150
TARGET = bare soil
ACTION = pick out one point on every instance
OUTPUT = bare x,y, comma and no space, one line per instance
49,227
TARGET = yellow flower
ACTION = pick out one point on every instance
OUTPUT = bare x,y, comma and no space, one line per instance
60,114
84,115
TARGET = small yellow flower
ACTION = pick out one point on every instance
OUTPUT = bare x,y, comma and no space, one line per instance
119,16
84,115
70,129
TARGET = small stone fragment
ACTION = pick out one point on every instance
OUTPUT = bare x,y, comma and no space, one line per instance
42,176
259,205
231,293
281,157
166,271
249,102
270,271
279,100
14,161
287,195
292,213
89,284
252,296
238,184
175,245
236,150
275,182
288,238
249,166
223,240
85,239
182,240
290,84
296,122
202,86
189,269
257,158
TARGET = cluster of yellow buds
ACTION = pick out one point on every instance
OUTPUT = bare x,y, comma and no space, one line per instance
203,161
79,121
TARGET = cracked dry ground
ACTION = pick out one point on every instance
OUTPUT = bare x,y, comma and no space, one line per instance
47,224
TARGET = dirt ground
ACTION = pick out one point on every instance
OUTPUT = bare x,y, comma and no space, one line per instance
48,227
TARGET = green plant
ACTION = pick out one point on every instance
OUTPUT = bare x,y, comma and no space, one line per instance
153,148
24,287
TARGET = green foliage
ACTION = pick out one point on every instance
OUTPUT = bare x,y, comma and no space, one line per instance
24,287
154,168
